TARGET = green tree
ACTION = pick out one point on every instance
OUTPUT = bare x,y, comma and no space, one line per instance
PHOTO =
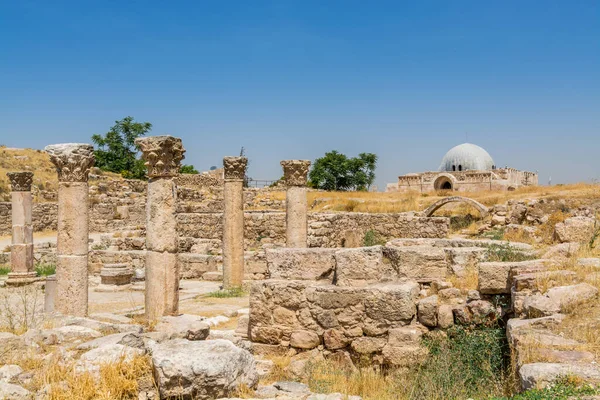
188,169
335,171
117,151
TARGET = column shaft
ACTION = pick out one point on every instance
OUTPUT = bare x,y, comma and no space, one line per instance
233,234
296,216
21,251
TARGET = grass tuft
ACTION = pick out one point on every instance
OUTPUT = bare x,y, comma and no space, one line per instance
227,293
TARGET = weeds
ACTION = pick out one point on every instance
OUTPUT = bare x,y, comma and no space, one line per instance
4,270
45,269
227,293
20,309
372,238
564,389
506,253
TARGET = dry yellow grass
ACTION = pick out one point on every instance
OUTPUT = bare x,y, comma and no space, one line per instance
379,202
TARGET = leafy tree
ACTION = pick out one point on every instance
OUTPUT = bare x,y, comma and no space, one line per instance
117,151
335,171
188,169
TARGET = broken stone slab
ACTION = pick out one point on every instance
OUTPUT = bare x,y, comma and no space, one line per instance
405,356
201,369
111,318
515,324
537,306
568,297
9,372
301,263
575,229
531,281
94,359
541,375
185,326
589,263
424,263
10,391
495,277
562,251
96,325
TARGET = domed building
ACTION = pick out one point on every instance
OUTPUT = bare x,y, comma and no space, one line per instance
465,168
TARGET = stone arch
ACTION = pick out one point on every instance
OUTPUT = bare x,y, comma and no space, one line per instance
444,182
483,210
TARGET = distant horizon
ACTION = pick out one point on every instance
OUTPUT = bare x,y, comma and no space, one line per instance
294,80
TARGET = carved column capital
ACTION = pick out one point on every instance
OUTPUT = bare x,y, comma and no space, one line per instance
20,181
162,155
235,167
72,161
295,172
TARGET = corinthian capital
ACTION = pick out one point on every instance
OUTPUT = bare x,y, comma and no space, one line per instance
295,172
72,161
235,167
162,154
20,181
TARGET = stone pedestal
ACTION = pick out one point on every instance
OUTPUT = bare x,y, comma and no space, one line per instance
21,250
116,274
163,155
233,222
73,162
295,173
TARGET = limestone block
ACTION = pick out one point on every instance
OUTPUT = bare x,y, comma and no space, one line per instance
531,281
160,216
392,302
540,306
116,274
195,265
304,339
368,345
302,264
72,285
445,316
575,229
11,391
428,310
494,277
568,297
185,326
335,339
463,259
362,266
562,251
541,375
406,356
123,212
405,336
418,262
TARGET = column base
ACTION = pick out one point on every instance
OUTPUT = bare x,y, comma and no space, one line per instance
22,278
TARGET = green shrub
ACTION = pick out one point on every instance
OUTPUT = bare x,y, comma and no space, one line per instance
460,222
466,364
372,238
495,234
4,270
506,253
45,269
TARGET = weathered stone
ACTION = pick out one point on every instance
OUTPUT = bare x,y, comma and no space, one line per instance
428,310
575,229
233,221
334,339
445,316
304,339
295,174
537,306
94,359
9,391
562,251
405,336
9,372
392,302
540,375
418,262
368,345
568,297
299,263
406,356
185,326
483,311
362,266
162,155
201,369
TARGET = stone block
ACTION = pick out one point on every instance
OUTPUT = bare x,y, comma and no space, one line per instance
362,266
494,277
304,339
193,266
21,257
423,263
406,356
575,229
300,263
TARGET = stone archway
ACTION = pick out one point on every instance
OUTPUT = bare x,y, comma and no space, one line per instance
444,182
483,210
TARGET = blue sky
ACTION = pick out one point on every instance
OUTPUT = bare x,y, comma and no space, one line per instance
294,79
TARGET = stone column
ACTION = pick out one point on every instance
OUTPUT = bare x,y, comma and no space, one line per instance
73,162
295,173
21,250
233,222
163,155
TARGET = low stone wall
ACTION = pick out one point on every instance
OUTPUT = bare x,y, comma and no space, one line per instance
44,217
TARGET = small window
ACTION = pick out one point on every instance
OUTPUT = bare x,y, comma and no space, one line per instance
454,168
460,167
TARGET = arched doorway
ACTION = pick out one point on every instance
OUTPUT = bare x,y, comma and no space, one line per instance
443,183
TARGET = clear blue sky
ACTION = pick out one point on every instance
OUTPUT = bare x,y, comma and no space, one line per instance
293,79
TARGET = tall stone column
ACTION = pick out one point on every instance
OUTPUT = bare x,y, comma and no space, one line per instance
295,173
73,162
163,155
21,250
233,222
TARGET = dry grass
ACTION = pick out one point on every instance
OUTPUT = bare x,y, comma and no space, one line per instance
395,202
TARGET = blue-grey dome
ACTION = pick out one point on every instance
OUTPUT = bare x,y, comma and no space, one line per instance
465,157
